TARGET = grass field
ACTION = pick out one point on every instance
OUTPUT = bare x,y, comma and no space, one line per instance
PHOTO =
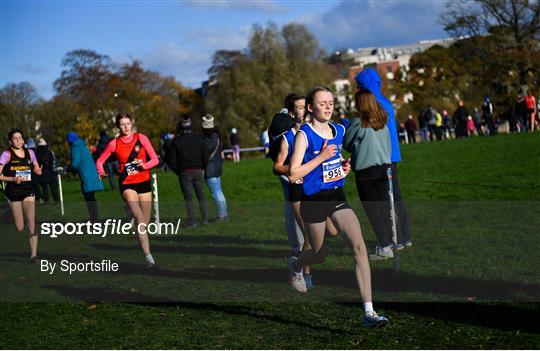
470,281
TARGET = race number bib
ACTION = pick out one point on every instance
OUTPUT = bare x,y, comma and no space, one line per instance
25,175
132,167
332,171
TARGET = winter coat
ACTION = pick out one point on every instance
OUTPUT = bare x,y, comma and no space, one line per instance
82,161
45,159
214,167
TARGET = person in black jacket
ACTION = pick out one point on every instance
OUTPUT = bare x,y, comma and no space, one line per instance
47,179
111,165
188,159
460,120
214,168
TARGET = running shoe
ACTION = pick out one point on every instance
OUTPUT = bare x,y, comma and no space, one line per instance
34,260
296,279
309,281
372,319
404,245
382,253
150,263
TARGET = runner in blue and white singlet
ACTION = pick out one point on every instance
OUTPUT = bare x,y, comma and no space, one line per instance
330,174
317,159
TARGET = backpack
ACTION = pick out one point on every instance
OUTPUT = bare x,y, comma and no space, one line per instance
281,123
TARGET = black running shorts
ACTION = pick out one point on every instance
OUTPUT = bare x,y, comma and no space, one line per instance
140,188
295,192
317,207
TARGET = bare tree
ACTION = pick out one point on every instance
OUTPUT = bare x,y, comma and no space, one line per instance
515,25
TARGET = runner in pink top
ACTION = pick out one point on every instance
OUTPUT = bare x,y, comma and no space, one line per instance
131,150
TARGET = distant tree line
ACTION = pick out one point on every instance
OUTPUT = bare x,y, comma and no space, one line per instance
246,88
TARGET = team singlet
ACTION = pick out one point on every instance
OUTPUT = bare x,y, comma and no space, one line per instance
329,174
289,138
123,150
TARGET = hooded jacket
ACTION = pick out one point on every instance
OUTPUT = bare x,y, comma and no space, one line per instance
82,161
370,80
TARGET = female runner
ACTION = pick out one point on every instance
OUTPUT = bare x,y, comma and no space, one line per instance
132,150
317,158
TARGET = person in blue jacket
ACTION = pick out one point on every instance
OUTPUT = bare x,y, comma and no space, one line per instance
370,80
83,163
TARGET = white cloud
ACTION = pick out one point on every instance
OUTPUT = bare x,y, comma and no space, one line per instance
356,24
189,60
267,6
31,69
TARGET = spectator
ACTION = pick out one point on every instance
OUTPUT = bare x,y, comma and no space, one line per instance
424,130
47,179
521,112
530,104
214,168
188,159
487,114
111,165
265,142
410,127
402,133
343,120
83,163
477,118
431,119
460,120
235,145
370,80
446,125
438,127
470,126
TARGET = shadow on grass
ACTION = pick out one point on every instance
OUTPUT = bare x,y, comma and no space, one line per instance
502,316
383,281
522,317
111,295
198,250
43,255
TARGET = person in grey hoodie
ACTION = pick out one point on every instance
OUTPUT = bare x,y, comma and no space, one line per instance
369,81
368,141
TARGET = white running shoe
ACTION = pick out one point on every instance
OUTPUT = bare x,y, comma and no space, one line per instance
382,253
372,319
296,278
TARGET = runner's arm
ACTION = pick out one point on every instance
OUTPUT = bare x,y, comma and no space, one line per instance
111,147
33,159
279,166
299,170
154,160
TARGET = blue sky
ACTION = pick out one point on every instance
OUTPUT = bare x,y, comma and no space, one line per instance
178,38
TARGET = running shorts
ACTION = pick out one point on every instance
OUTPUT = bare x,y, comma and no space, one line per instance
317,207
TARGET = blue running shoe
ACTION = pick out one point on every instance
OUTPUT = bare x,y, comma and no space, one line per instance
309,281
372,319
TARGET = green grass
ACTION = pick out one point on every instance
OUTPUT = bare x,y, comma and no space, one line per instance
470,281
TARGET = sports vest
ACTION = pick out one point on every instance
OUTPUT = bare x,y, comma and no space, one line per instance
329,174
19,166
128,154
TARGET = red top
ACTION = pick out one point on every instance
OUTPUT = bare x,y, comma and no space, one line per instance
122,147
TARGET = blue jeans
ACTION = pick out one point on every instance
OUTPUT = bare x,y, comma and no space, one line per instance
214,184
424,133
